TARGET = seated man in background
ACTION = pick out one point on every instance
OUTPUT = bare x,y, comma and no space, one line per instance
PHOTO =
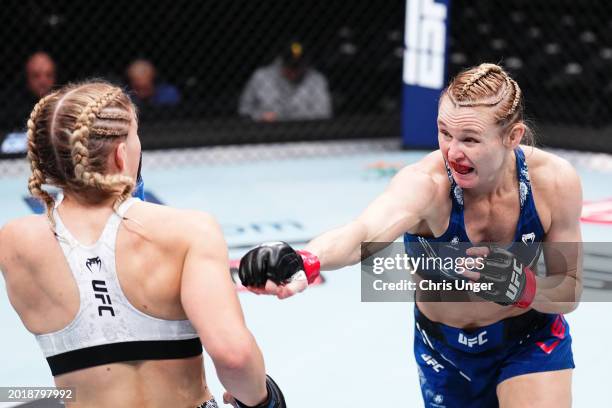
146,92
287,89
40,74
40,78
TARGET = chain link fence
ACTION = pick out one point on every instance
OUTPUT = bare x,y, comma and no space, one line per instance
560,52
348,55
211,87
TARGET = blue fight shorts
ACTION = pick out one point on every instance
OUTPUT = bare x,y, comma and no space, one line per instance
462,368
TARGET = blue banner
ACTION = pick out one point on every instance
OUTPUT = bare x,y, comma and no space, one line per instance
424,77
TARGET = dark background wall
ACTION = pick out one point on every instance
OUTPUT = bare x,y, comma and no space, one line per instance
560,53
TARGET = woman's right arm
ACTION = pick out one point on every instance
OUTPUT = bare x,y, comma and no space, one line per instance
209,299
273,268
401,207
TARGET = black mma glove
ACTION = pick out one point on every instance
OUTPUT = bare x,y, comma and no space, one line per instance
513,282
278,262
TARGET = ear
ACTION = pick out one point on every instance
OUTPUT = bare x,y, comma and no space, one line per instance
514,135
120,157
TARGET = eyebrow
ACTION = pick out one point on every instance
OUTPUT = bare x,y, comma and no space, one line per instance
468,130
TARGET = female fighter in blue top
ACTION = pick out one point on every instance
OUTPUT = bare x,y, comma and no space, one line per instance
513,348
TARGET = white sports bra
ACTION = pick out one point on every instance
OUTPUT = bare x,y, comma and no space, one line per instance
108,328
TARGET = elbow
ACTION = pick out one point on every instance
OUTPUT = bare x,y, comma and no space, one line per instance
573,305
233,355
567,307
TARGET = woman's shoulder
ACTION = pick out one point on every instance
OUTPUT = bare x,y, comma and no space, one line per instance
426,179
430,168
20,235
547,168
169,222
554,181
25,228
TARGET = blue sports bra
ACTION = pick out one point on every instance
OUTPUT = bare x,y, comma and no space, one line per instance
529,232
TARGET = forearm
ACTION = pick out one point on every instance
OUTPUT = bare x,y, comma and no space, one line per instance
557,294
339,247
243,375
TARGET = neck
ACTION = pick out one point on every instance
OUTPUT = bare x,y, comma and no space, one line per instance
75,201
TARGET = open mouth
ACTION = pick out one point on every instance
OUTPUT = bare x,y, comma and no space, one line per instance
461,169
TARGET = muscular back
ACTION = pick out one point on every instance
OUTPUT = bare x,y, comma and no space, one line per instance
150,252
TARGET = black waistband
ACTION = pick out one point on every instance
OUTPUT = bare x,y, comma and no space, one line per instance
121,352
515,328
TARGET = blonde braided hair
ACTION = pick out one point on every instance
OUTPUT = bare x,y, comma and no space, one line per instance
483,69
111,183
63,129
37,178
489,85
485,85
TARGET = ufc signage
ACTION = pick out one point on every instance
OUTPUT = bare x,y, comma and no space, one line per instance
424,72
425,41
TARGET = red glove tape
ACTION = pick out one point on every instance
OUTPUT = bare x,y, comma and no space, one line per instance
530,289
312,265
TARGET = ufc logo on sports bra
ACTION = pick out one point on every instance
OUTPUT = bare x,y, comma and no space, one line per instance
517,270
101,293
471,341
425,36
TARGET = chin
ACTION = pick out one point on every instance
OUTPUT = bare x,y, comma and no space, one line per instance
469,181
466,185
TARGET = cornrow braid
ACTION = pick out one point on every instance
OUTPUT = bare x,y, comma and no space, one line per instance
483,69
37,178
462,98
99,130
112,183
517,97
489,85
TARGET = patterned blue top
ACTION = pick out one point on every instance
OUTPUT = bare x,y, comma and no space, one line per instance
529,232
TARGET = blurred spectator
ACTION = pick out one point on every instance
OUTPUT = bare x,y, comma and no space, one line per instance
287,89
146,92
40,78
39,72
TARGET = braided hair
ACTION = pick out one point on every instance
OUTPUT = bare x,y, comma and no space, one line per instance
71,133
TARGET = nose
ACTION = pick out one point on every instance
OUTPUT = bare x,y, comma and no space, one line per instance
454,152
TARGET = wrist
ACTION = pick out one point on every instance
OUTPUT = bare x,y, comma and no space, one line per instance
529,292
274,397
312,265
262,404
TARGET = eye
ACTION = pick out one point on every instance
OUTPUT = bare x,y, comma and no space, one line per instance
445,134
471,140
